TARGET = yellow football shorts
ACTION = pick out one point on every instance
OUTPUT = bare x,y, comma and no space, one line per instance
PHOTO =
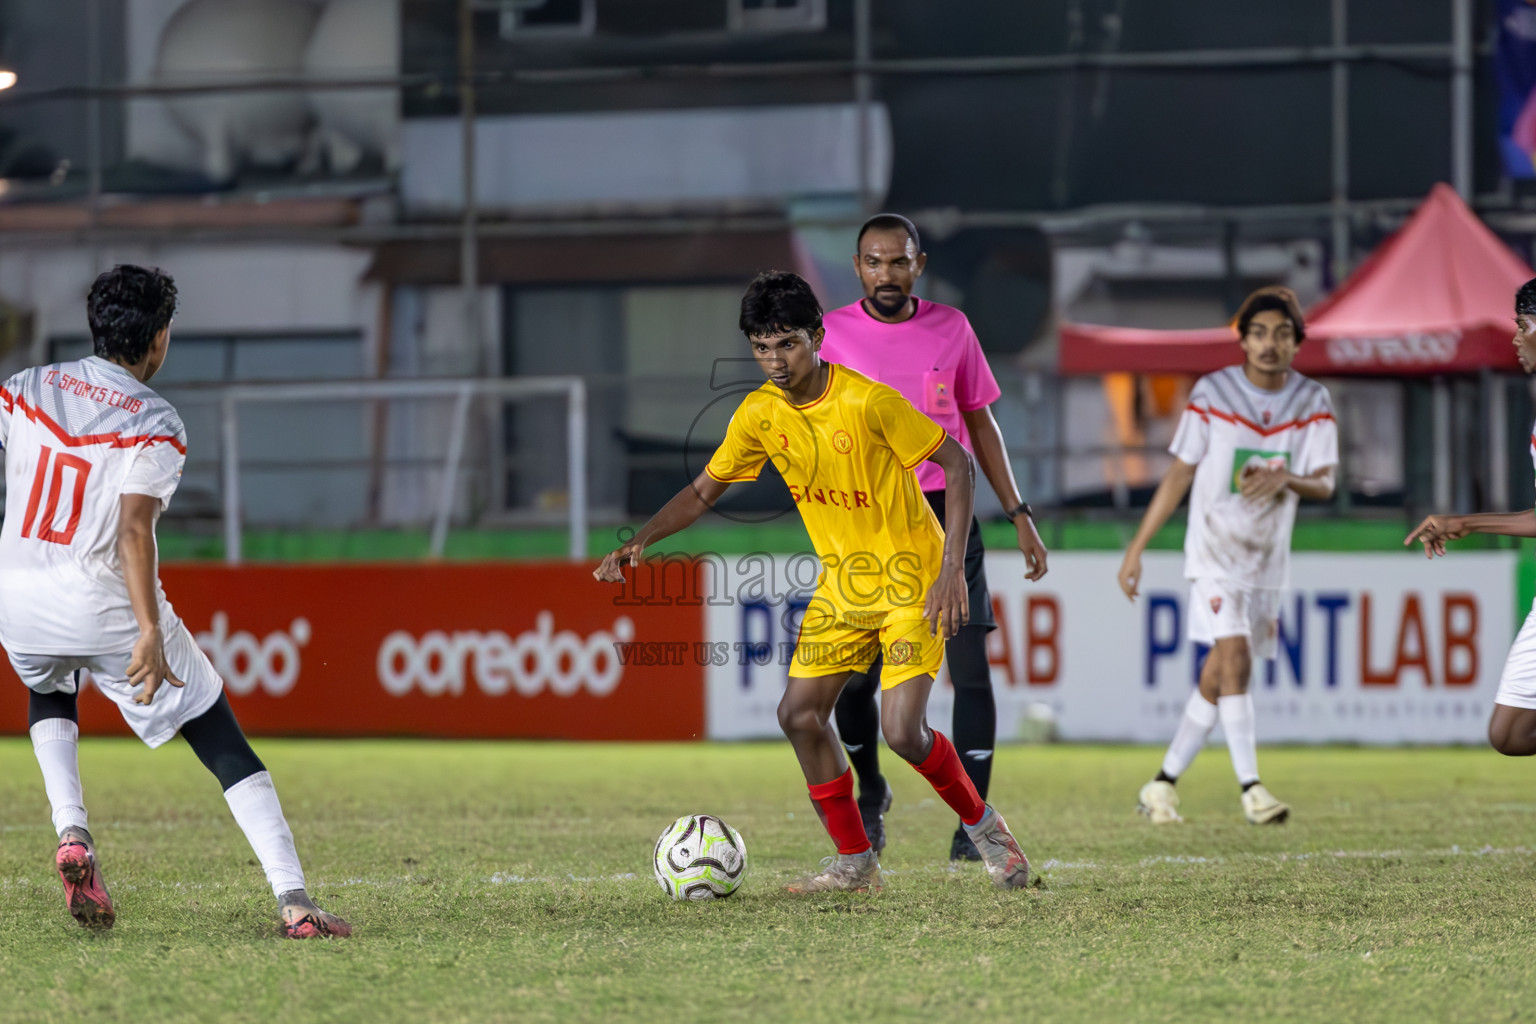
830,644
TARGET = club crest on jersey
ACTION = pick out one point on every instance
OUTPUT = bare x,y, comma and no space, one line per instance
899,653
1267,416
842,442
1215,606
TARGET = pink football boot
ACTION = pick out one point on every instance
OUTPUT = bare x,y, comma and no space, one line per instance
84,892
303,920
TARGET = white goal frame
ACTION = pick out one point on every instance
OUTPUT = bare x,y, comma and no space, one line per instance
463,390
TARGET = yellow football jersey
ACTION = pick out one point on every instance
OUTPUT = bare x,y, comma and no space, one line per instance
848,458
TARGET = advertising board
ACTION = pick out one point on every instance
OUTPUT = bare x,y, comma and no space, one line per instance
1373,648
450,650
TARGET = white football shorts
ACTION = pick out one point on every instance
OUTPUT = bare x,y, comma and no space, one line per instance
155,723
1219,609
1517,685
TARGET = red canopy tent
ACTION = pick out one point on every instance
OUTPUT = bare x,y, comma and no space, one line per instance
1436,297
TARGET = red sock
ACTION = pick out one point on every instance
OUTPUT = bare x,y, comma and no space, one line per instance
947,777
840,813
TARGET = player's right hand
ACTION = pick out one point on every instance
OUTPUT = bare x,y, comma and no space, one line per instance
611,570
147,665
1130,574
948,606
1435,531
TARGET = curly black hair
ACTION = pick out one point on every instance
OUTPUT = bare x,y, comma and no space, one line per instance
127,306
1525,299
778,301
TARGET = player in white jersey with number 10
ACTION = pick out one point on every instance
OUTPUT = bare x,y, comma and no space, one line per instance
1254,440
92,457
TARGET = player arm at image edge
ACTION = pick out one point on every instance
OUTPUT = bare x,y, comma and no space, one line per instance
1436,530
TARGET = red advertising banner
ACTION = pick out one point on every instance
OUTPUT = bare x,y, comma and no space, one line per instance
489,651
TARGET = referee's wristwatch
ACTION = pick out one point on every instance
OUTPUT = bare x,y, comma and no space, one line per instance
1022,509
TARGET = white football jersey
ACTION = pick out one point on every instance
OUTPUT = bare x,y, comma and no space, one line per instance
1230,424
77,437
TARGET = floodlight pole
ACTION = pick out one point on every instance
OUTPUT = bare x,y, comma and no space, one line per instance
1461,98
93,109
469,245
1340,198
864,94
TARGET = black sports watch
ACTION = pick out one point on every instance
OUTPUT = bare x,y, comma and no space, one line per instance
1023,508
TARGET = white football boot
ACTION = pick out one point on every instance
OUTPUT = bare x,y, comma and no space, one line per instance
1160,802
1261,808
847,872
1006,864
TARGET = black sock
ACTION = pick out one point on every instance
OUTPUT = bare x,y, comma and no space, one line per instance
858,725
1249,785
41,706
216,739
1163,776
975,719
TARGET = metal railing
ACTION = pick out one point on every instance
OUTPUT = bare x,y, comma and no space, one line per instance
463,391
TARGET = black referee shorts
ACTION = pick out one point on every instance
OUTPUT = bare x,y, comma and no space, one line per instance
975,566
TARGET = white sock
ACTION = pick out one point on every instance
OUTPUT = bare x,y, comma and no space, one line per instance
1198,721
56,741
254,803
1237,722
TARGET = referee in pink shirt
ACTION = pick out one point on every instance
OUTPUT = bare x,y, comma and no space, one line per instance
929,353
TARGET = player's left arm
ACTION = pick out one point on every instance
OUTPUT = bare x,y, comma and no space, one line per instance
136,553
948,603
685,508
992,456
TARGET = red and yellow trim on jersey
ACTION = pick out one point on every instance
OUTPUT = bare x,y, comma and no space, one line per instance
1242,421
938,443
825,392
733,479
114,440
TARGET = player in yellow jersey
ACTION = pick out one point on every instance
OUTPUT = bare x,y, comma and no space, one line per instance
891,584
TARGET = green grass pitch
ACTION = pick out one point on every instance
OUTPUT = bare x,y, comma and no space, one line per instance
511,881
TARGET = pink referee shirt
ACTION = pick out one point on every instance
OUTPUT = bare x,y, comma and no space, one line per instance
933,358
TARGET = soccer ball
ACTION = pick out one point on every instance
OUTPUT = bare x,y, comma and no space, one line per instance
700,857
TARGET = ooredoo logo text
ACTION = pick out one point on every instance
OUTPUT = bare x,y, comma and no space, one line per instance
564,662
246,663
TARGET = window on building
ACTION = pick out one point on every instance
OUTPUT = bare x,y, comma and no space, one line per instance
523,18
776,15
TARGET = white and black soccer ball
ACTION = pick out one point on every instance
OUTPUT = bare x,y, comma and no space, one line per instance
700,857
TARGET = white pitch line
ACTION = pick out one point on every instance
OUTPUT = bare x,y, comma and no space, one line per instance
945,868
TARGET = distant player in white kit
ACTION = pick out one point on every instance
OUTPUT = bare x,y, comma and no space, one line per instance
1254,440
92,457
1512,729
